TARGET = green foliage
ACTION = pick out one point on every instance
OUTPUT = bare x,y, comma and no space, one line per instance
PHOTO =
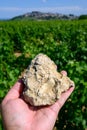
65,42
83,17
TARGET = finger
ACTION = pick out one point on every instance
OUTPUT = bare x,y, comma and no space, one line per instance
57,106
64,72
65,96
15,91
50,113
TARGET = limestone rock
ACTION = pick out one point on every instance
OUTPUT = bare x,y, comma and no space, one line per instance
43,84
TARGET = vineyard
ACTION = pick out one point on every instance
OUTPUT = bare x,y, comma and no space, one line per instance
65,42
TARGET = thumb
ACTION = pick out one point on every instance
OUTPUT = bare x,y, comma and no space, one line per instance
15,91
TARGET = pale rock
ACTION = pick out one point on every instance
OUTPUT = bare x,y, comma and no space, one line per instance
43,84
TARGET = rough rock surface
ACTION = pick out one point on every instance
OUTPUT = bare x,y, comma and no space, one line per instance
43,84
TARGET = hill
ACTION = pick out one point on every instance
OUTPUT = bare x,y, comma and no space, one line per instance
36,15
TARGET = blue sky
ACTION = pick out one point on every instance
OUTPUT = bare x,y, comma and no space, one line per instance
9,8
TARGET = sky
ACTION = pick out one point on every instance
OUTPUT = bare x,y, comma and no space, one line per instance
12,8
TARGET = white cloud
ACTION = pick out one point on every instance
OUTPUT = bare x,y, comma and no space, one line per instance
10,9
60,9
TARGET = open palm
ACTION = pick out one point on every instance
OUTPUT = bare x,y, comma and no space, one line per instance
18,115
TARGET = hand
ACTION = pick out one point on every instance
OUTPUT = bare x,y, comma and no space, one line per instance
18,115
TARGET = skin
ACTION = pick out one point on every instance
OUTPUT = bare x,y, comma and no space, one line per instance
18,115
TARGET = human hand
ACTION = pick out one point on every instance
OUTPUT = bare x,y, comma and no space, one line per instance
18,115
